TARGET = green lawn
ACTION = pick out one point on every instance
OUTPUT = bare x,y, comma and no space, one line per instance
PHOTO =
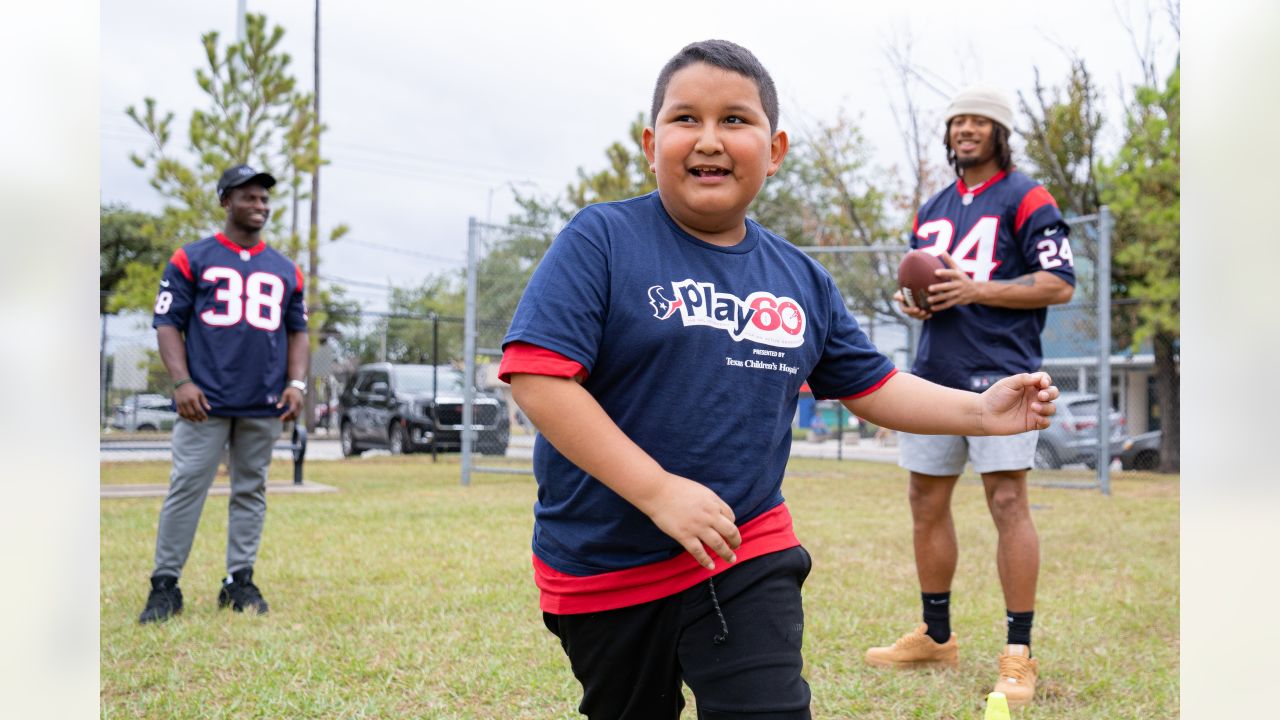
405,595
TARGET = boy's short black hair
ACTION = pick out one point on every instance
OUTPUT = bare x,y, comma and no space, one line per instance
727,56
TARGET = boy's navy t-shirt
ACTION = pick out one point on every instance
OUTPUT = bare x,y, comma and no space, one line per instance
696,351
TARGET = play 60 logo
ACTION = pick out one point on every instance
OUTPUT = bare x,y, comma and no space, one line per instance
762,317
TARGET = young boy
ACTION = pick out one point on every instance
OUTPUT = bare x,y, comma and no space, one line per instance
659,349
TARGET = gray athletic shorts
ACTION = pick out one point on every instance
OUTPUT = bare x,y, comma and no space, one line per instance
946,454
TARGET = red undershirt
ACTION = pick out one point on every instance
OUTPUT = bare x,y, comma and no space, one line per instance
565,594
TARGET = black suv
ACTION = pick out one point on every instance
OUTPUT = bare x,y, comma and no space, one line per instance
405,408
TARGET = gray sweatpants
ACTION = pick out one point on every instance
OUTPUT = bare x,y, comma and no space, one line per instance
197,449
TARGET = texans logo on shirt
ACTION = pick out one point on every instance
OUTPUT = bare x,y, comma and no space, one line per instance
762,317
662,307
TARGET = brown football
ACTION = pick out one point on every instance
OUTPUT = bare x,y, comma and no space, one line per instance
915,275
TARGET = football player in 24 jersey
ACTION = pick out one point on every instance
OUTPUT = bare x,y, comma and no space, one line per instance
1008,257
231,325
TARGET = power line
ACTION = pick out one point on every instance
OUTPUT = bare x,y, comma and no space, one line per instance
365,157
403,251
355,283
341,163
401,155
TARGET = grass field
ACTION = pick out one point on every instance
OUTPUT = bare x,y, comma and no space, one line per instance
405,595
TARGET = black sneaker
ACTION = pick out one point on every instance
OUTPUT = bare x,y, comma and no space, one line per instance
164,602
241,594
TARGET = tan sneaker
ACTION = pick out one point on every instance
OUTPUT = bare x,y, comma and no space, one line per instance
916,650
1018,672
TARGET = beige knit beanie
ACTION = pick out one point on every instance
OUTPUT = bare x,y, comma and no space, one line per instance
983,100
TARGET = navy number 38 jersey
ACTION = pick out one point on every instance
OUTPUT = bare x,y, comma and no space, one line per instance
1006,228
235,307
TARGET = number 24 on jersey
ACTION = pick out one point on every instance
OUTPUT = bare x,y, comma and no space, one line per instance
976,252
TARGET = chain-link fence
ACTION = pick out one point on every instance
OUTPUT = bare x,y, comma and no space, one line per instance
1080,351
417,358
500,261
866,276
1087,347
404,386
1111,407
136,392
1077,346
134,388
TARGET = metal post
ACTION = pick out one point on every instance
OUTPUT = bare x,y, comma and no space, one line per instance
386,322
299,448
1103,284
103,420
469,352
313,232
839,431
435,385
913,340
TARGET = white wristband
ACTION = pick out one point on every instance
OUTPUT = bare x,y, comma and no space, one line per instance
301,385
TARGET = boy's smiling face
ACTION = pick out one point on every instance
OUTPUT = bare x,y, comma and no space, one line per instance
711,149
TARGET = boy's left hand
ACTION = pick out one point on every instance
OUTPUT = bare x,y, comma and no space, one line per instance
1018,404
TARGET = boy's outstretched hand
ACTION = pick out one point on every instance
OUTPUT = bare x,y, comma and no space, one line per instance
1018,403
693,515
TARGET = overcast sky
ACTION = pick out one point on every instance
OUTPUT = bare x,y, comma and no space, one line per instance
434,109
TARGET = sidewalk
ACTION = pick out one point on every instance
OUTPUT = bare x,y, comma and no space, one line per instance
521,447
273,488
854,448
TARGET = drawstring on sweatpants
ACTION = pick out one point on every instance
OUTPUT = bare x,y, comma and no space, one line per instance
715,602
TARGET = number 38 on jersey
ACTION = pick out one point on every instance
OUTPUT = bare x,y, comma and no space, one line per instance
257,299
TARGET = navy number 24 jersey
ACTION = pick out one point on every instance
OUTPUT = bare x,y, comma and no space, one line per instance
235,307
1006,228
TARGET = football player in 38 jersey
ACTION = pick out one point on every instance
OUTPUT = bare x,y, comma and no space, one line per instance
232,329
1008,257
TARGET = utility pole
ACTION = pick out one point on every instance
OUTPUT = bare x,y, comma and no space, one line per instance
102,377
313,241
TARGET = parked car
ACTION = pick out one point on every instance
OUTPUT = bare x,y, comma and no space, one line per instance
405,408
145,412
1072,436
1141,452
324,413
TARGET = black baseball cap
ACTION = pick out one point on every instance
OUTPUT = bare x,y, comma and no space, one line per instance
242,175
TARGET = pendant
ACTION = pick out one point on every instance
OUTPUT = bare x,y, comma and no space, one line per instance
966,199
244,254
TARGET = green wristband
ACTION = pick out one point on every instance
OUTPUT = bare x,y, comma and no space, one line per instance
181,382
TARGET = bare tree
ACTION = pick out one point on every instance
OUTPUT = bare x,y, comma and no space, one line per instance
1061,137
1141,32
913,123
1173,9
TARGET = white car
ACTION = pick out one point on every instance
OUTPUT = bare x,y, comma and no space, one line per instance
141,413
1072,436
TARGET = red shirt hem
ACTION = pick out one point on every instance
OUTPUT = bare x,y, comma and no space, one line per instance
564,594
873,388
523,357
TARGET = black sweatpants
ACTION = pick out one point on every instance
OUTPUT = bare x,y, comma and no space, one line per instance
632,660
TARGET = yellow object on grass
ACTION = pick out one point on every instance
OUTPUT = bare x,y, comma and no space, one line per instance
997,707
